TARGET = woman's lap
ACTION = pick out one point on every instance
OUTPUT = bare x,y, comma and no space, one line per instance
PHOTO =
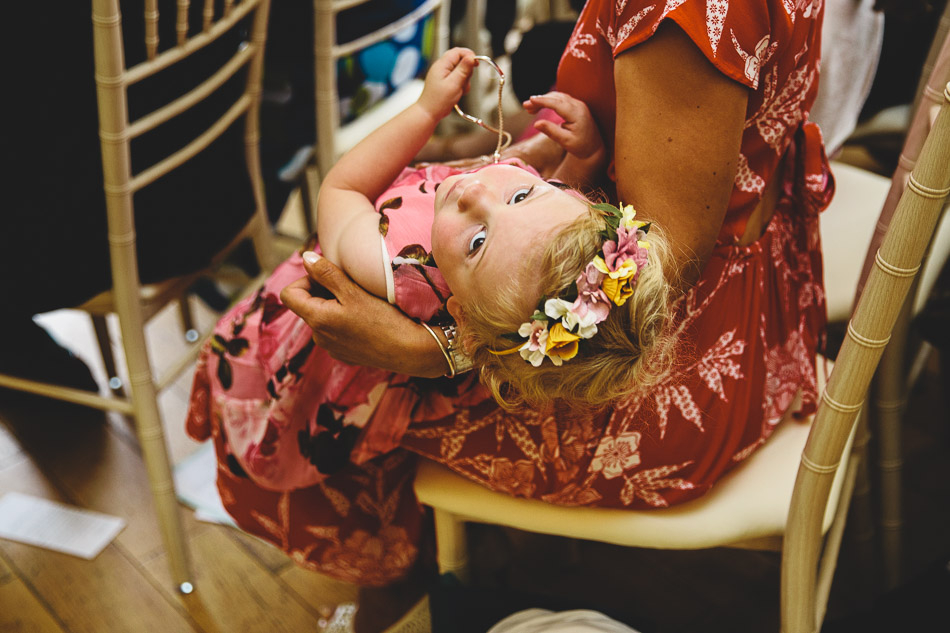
748,336
736,372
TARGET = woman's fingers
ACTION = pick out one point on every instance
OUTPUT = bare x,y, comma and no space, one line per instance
315,297
299,297
356,327
324,273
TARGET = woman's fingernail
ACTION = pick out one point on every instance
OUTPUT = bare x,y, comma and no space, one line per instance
310,257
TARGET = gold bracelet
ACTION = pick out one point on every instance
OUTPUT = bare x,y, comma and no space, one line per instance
448,359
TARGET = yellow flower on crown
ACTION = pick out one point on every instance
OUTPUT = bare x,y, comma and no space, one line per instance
617,284
627,221
618,290
561,344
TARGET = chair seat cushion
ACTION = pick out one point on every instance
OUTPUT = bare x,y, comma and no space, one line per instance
847,226
154,296
846,229
749,503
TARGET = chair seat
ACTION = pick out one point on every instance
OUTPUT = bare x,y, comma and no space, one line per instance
749,504
847,226
153,296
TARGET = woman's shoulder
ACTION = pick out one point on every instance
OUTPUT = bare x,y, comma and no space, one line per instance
737,36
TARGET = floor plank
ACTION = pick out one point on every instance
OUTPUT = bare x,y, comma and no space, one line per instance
96,468
109,593
20,609
232,591
266,554
105,594
322,593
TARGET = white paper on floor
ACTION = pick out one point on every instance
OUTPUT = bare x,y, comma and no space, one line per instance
56,526
196,487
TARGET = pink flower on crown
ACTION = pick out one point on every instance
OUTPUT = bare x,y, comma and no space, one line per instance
621,263
629,248
591,299
533,350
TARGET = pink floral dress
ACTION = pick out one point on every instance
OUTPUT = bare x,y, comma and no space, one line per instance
748,335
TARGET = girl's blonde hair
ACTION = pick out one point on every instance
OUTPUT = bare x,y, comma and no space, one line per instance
631,350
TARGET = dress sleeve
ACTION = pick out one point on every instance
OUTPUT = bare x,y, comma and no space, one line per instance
734,35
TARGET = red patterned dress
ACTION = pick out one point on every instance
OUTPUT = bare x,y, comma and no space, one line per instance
748,331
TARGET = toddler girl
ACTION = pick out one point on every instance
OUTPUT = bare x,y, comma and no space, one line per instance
554,297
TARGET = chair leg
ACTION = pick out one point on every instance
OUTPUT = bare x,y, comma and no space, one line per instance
151,435
308,194
101,327
890,387
451,544
861,517
187,319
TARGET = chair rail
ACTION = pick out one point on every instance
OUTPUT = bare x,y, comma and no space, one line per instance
159,169
148,68
193,96
342,50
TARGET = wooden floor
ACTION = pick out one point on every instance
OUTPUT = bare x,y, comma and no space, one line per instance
90,459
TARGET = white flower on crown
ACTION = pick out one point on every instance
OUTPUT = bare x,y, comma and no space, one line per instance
564,310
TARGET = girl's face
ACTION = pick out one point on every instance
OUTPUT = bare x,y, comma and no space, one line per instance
489,229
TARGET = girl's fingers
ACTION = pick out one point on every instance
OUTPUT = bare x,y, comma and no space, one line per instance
564,105
556,133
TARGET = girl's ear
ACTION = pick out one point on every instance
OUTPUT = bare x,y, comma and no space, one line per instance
454,308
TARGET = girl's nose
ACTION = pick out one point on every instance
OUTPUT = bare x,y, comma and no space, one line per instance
473,196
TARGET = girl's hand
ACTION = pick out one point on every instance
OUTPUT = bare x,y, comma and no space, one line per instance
578,135
446,81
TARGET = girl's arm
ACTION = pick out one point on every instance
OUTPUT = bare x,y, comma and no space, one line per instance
346,216
679,130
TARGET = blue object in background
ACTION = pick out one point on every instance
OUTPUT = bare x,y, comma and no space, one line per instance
378,60
373,73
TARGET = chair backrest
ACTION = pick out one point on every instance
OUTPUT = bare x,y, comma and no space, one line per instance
896,264
334,138
115,79
934,76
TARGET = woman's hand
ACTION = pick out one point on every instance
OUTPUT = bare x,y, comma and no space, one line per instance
357,328
446,81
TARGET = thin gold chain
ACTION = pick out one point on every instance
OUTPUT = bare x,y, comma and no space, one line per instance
504,138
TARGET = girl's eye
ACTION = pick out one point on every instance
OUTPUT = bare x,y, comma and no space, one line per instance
520,195
476,242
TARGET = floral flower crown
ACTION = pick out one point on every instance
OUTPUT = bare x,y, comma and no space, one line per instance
558,324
